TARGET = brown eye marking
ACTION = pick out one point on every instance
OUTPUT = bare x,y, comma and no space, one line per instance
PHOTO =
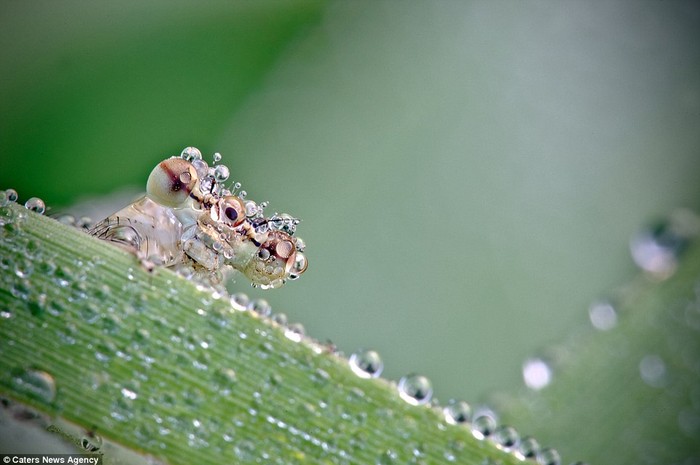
232,210
171,182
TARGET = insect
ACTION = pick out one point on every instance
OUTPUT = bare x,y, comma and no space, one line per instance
189,221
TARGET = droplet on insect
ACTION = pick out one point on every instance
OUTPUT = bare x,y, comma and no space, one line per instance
602,315
415,389
536,373
484,424
200,167
548,456
221,173
652,369
506,437
366,363
457,412
12,195
38,384
217,157
36,205
191,154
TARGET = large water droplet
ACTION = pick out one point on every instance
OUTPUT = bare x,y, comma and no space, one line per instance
484,423
603,315
529,447
221,173
260,306
415,389
11,195
366,364
506,437
36,205
536,373
457,412
37,384
191,154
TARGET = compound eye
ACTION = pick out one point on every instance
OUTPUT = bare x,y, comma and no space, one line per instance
171,182
232,210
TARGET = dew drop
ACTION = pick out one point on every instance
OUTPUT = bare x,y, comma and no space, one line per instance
36,205
295,332
652,369
529,447
191,154
129,394
536,373
506,437
602,315
91,442
38,384
260,306
548,456
221,173
484,424
387,457
217,157
280,319
457,412
415,389
11,195
240,302
366,364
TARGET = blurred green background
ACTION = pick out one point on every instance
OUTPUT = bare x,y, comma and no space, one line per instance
468,173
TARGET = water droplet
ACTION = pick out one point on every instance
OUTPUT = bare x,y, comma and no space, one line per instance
602,315
656,249
191,154
129,394
245,450
260,306
366,364
653,371
280,319
506,437
295,332
37,384
548,456
536,373
217,157
484,424
36,205
91,442
457,412
529,447
221,173
11,195
387,457
415,389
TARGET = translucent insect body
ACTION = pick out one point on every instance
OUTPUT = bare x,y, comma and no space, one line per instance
190,222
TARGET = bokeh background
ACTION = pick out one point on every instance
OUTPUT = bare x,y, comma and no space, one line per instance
468,173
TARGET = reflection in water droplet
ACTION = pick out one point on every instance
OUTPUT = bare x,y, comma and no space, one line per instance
548,457
602,315
415,389
457,412
536,373
35,204
366,363
484,423
653,371
221,173
37,384
240,302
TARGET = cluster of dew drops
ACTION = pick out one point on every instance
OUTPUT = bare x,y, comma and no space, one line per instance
655,250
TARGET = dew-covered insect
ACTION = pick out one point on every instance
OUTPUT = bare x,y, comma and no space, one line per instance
190,222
